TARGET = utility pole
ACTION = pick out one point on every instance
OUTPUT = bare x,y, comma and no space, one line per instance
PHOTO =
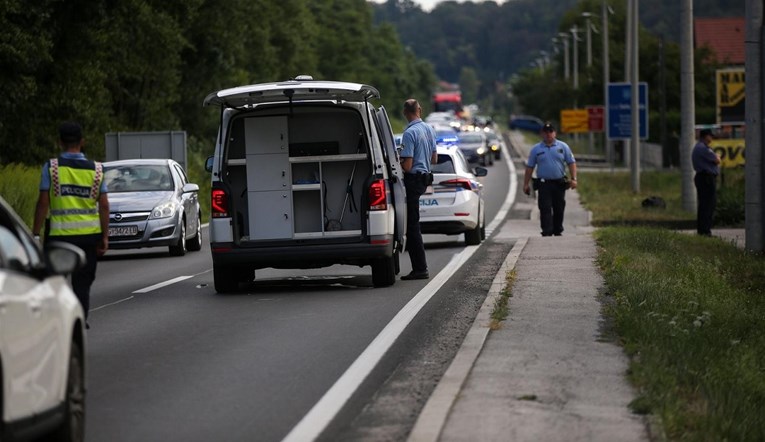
564,37
635,140
587,15
574,42
754,196
687,105
606,79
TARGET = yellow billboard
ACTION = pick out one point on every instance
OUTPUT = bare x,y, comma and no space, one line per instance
574,121
731,96
732,152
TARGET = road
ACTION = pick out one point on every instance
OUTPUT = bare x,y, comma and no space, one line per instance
169,359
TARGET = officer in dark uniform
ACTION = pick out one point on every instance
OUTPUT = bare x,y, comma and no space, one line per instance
706,163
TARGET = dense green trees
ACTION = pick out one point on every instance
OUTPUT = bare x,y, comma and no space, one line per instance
147,64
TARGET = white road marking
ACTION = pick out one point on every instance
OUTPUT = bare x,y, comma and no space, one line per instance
317,419
112,303
163,284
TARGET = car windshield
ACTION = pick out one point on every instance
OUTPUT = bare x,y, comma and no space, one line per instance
444,165
138,178
470,138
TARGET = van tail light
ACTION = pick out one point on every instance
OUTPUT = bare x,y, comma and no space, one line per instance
219,202
378,195
458,182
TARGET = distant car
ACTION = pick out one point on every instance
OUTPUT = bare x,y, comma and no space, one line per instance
455,204
152,204
496,144
475,147
525,122
42,337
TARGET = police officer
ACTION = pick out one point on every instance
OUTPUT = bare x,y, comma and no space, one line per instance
706,163
74,194
550,157
419,151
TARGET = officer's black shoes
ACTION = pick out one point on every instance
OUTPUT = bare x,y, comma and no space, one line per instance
415,275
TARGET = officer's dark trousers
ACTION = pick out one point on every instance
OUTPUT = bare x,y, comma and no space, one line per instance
415,185
551,200
83,277
706,196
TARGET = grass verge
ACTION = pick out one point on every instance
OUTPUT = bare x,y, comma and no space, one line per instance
690,312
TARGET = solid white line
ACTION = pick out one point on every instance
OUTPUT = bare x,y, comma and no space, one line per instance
163,284
112,303
317,419
313,423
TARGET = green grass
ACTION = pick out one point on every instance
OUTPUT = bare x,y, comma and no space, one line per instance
610,198
19,186
690,312
501,308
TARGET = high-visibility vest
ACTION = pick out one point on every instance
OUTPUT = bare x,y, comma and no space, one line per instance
75,186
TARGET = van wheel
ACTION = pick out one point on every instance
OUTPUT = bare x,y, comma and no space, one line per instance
384,272
73,427
195,243
179,249
473,237
225,279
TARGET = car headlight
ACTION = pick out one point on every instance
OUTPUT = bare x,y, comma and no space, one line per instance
495,147
481,150
165,210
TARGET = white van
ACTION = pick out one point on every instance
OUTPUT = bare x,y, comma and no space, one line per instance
305,175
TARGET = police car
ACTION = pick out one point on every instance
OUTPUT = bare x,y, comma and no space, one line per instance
454,203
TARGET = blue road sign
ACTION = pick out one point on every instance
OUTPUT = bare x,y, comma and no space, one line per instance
620,107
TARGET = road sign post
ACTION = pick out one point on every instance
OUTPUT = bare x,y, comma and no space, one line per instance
620,110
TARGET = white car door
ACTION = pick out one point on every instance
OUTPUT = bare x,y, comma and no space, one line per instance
30,346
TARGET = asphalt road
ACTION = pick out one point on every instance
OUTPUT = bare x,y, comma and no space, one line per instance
179,362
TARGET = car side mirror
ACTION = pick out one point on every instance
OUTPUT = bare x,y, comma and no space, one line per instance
64,258
480,171
190,187
209,163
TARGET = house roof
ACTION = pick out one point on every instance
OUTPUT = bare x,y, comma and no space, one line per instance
725,36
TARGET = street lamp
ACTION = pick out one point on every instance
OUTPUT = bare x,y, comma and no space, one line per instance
587,15
564,36
574,40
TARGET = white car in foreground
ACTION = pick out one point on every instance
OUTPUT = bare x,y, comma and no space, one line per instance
454,203
42,338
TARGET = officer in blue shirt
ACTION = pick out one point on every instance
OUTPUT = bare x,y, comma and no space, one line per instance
706,163
550,157
419,152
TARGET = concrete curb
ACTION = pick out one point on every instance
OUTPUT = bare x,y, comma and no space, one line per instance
433,416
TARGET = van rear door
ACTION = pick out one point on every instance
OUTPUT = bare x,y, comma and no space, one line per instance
398,192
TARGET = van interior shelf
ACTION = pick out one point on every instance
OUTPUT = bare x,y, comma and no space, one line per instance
329,158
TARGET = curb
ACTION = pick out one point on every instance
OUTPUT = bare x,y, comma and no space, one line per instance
433,416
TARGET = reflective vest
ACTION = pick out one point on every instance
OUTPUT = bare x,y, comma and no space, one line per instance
75,185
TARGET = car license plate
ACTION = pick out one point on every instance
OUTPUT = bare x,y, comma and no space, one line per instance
123,231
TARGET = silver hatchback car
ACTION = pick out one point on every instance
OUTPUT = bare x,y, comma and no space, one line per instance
152,204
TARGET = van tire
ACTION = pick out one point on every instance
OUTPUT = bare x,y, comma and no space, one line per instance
473,237
384,272
226,280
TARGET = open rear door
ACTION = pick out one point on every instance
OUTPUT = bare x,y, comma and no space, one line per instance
398,192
